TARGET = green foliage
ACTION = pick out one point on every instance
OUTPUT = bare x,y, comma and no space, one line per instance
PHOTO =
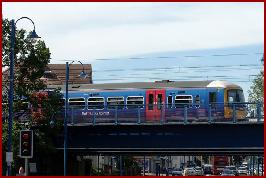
15,141
29,65
53,103
30,60
256,92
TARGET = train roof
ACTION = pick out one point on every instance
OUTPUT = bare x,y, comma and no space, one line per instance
150,85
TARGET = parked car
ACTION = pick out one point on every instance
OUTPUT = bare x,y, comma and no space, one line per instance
242,171
227,172
199,171
170,170
189,171
232,168
177,172
258,173
207,169
244,164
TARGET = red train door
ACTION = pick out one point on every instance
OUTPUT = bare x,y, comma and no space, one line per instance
155,100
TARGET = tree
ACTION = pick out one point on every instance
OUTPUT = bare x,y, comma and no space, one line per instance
30,61
15,143
256,92
29,65
49,104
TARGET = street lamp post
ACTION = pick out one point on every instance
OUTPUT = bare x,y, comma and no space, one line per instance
65,120
11,86
82,75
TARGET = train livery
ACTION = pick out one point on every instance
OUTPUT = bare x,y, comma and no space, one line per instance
168,100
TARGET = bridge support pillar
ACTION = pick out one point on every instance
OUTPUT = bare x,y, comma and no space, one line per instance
121,166
98,165
144,166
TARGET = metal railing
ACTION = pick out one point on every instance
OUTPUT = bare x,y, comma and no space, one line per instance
183,113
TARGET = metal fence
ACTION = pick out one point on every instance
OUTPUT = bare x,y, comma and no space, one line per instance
183,113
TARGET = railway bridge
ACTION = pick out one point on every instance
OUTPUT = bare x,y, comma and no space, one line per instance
168,138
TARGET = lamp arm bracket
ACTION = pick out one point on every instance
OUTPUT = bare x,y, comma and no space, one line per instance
25,18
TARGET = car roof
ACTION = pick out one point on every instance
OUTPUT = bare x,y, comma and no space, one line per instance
229,170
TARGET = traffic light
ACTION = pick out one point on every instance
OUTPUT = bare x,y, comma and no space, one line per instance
26,144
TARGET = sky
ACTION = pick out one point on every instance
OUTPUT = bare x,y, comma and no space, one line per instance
90,31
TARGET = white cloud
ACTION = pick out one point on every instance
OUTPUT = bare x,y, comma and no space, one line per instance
106,30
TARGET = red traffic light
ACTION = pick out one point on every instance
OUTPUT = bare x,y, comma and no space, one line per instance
25,136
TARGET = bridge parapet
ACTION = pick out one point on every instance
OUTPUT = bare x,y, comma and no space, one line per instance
181,113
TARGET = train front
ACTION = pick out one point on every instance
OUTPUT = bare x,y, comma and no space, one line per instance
234,103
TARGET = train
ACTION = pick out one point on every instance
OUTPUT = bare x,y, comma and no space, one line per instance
153,101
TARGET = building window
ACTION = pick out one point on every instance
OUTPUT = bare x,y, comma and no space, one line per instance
135,101
76,103
115,102
96,103
183,100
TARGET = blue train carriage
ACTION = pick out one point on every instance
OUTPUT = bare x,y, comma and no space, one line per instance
154,101
106,105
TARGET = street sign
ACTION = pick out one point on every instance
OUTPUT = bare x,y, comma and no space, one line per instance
33,168
9,157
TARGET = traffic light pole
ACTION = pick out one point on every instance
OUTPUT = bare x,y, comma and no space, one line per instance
26,166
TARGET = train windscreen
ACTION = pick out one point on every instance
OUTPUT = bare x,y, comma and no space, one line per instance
235,96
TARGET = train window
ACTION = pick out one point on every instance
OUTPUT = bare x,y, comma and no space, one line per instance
96,103
151,100
135,101
115,102
183,100
212,97
169,101
76,103
197,101
160,101
235,96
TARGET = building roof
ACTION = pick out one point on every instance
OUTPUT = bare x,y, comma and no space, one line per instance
56,74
